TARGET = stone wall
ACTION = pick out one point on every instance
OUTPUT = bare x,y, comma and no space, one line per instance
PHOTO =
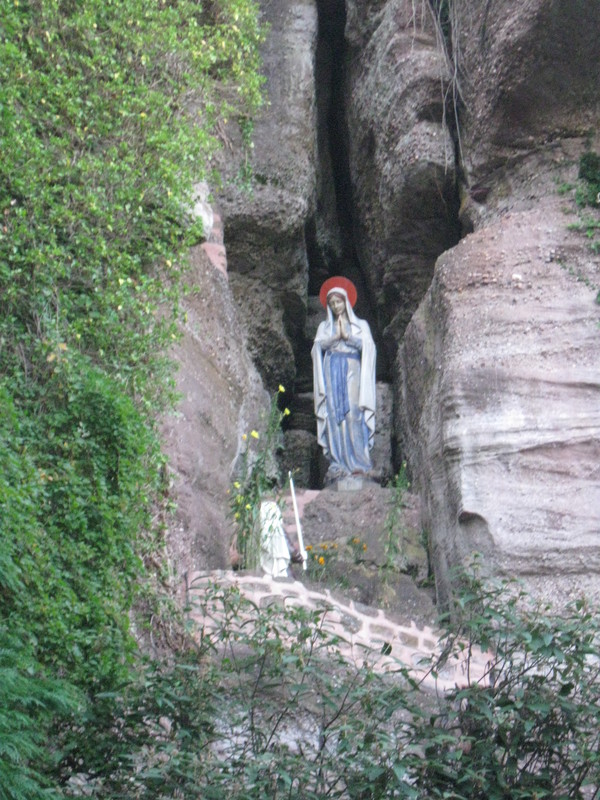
361,634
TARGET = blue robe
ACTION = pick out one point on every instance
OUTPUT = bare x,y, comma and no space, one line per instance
344,394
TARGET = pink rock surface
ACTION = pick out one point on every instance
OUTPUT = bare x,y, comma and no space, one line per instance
502,404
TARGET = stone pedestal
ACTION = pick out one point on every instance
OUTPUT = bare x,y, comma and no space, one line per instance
353,483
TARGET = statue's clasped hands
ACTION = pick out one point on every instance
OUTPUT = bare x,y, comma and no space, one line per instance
342,333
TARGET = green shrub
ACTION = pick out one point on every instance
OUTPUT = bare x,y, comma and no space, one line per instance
31,704
588,191
296,720
267,705
530,730
108,117
299,721
31,700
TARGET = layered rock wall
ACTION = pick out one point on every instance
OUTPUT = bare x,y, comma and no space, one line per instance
500,385
221,398
501,406
401,155
269,195
363,165
527,76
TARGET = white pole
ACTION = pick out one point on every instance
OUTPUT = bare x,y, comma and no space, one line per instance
303,552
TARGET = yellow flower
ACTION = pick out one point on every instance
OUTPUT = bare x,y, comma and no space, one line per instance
308,547
236,484
244,436
281,388
321,560
323,547
364,546
248,506
286,412
254,434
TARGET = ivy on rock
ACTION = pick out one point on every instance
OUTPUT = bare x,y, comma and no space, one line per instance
108,117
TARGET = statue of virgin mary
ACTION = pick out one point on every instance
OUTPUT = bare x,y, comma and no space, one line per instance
343,357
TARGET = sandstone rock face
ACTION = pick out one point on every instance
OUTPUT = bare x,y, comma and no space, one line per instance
267,337
527,77
500,414
264,220
401,155
222,397
496,396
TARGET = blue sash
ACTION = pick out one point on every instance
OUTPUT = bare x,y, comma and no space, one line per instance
339,382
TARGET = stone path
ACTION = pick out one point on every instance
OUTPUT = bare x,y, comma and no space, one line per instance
364,633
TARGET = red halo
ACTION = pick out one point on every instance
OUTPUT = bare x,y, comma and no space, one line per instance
338,282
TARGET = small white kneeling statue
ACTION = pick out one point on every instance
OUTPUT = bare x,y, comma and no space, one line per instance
274,550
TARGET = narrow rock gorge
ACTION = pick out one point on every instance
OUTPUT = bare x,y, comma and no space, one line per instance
429,152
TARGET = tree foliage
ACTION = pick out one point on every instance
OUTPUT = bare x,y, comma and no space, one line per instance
531,728
108,118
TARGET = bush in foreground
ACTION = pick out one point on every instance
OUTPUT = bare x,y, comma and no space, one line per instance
100,153
263,705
